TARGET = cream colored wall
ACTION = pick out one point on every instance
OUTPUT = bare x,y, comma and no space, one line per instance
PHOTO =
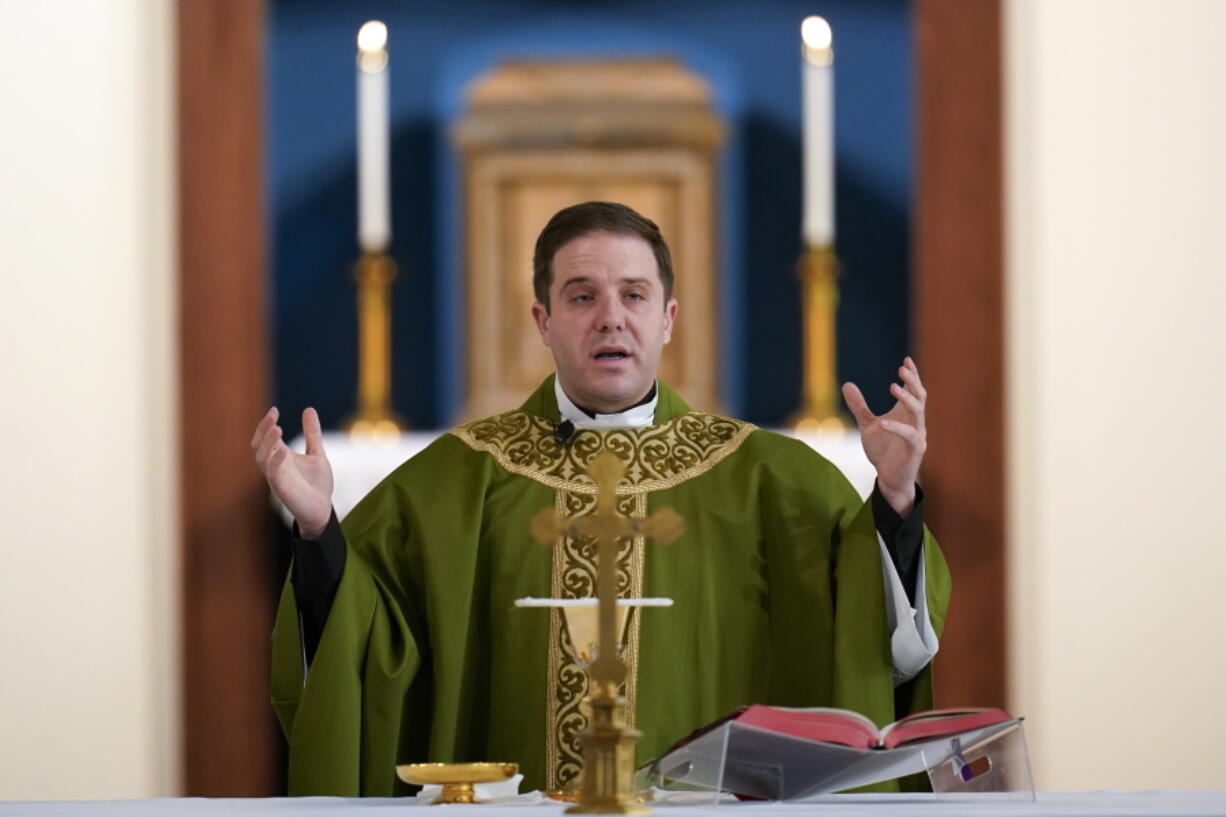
1116,151
88,595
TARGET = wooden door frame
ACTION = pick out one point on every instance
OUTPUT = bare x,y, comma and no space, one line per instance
958,314
229,745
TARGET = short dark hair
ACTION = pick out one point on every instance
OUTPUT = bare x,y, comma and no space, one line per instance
579,220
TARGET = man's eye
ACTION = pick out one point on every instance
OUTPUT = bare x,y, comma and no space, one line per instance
581,298
634,296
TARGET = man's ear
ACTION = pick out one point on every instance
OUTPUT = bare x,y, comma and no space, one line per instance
540,316
670,318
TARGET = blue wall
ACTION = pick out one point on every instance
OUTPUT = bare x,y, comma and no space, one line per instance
750,53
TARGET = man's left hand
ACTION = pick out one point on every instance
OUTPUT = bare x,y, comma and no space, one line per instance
895,441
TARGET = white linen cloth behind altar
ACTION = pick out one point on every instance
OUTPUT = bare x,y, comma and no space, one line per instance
1048,804
358,466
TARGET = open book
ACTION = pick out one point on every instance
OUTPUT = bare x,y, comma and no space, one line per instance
853,729
778,753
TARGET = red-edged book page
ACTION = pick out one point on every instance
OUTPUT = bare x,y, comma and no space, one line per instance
939,723
828,725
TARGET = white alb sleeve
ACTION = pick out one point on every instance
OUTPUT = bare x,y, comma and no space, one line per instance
913,642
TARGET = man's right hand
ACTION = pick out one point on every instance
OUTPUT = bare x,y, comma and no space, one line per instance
303,482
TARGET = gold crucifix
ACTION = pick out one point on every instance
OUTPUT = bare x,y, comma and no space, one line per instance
608,744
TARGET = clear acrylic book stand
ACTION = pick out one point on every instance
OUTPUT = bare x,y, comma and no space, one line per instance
986,763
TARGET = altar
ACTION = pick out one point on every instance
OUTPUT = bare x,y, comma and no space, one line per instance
1048,804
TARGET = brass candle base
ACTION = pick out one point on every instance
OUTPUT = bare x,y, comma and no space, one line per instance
819,411
376,427
457,779
811,421
374,419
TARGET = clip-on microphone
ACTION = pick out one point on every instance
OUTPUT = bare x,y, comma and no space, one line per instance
563,431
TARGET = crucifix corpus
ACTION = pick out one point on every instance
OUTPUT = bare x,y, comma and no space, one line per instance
608,744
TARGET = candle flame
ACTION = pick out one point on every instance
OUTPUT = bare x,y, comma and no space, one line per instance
372,37
816,33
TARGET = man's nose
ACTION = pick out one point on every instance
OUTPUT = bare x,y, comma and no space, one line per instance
611,315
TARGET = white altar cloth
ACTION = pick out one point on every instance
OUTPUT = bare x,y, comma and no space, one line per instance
358,466
1049,804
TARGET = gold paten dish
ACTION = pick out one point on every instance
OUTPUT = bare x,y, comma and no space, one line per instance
457,779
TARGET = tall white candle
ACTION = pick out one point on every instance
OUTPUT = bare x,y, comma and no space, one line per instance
818,83
374,204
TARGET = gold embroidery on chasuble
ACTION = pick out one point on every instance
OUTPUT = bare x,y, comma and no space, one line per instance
657,457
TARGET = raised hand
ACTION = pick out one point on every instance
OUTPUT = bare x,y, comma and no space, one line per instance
895,441
303,482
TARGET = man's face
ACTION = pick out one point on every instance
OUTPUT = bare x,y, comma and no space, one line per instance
608,320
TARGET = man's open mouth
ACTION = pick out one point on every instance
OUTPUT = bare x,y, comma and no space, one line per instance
611,354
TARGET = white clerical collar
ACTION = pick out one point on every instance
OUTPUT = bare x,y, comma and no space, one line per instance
638,416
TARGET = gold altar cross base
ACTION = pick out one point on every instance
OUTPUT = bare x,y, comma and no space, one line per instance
608,744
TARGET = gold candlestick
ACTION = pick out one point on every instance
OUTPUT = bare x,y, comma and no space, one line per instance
819,411
374,273
608,743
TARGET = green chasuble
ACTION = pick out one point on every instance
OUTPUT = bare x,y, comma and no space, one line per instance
777,582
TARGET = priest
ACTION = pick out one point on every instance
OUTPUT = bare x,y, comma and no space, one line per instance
397,639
